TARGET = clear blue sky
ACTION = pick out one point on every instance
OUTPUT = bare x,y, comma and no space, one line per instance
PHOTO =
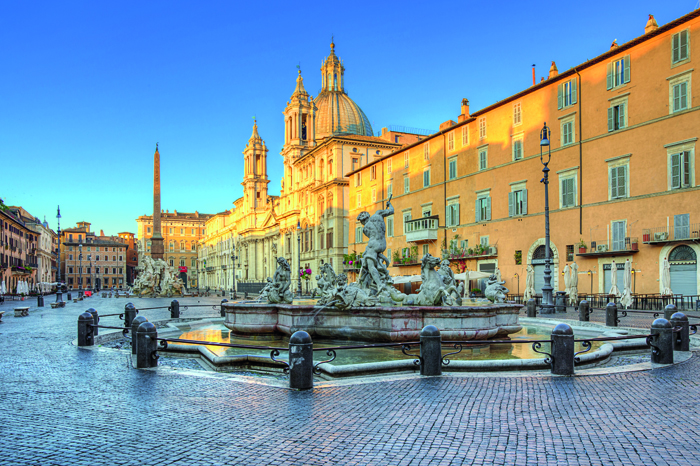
88,88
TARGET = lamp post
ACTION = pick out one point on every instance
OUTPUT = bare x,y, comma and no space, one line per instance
59,294
547,306
518,277
299,254
233,268
80,269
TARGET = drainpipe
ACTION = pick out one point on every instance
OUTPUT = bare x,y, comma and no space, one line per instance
444,185
580,157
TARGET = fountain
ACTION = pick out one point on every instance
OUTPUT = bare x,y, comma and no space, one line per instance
372,309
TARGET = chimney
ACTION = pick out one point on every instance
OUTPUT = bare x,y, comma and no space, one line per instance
447,124
553,71
102,232
175,211
465,111
651,26
533,75
614,45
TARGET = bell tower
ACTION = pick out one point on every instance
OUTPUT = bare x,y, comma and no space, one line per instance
255,179
332,72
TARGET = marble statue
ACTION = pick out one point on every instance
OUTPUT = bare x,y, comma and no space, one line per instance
279,293
327,283
374,271
433,291
449,280
495,291
156,278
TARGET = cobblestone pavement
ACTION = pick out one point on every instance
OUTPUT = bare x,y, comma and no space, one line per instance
62,405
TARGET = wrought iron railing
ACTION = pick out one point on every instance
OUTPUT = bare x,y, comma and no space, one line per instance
630,243
671,233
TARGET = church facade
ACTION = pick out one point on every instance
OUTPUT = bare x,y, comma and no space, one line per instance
325,138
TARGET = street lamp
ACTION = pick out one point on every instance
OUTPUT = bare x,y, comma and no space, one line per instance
80,269
518,277
299,254
547,306
233,267
59,294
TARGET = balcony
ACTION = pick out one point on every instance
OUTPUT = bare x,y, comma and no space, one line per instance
610,248
405,261
209,269
670,234
422,230
479,252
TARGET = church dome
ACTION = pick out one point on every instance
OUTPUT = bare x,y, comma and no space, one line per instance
337,113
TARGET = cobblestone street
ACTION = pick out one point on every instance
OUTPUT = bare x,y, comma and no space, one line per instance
62,405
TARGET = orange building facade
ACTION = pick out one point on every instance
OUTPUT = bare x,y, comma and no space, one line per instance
622,180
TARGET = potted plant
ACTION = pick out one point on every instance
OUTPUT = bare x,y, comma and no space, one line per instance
518,257
582,247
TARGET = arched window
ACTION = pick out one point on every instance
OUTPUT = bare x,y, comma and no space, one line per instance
194,246
682,254
540,253
330,169
321,205
335,82
194,262
171,246
182,245
330,203
329,82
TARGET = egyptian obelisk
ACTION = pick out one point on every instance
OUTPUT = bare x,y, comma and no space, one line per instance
157,248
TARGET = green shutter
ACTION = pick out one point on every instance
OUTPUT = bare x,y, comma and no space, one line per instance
511,207
676,97
683,95
488,208
685,166
676,47
524,212
611,125
683,47
621,119
627,68
455,214
477,211
610,76
559,96
621,181
613,182
573,91
675,171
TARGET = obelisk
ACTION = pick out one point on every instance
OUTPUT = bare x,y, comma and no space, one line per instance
157,248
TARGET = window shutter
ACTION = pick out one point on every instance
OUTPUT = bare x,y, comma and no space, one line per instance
610,119
621,119
610,76
510,204
477,211
488,208
573,91
571,194
676,47
675,171
676,97
683,95
455,214
685,165
448,216
524,211
627,68
621,181
613,182
559,96
683,46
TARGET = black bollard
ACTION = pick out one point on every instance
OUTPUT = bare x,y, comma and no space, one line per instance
146,345
40,301
129,314
531,307
85,330
663,341
669,311
69,296
611,315
223,312
562,350
301,361
174,309
96,321
430,351
583,311
138,320
681,341
560,301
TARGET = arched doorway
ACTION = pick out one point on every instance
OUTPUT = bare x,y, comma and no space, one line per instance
538,259
684,271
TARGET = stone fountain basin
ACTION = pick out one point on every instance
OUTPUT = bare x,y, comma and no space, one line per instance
374,324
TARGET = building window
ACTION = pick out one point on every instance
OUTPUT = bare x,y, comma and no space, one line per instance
453,168
518,148
465,135
182,232
452,215
120,258
451,141
148,229
426,249
171,262
406,219
568,130
70,269
483,158
194,262
567,197
405,159
619,72
517,115
358,179
359,199
373,172
680,47
484,241
194,246
374,194
389,190
390,226
569,252
566,94
426,151
619,232
358,234
192,232
680,170
517,203
406,187
618,182
482,211
617,116
70,257
170,231
482,127
388,166
680,93
426,177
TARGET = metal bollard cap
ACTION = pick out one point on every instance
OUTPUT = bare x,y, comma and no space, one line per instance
224,300
174,301
92,310
563,329
85,316
679,316
138,321
300,338
430,331
583,301
670,307
610,305
148,327
661,323
129,307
